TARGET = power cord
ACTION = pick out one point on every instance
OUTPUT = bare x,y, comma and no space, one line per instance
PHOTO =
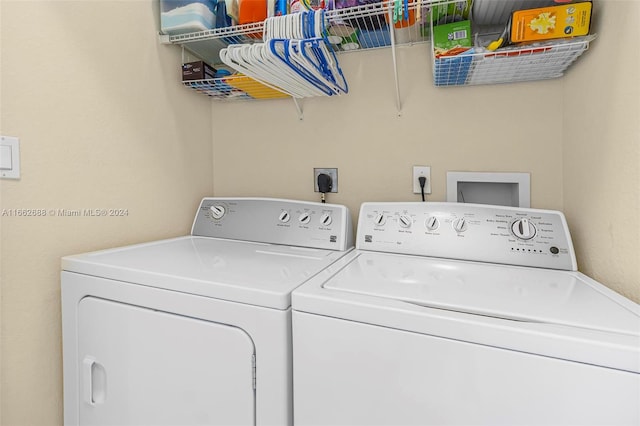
423,182
324,185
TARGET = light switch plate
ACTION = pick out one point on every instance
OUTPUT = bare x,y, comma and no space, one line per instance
11,166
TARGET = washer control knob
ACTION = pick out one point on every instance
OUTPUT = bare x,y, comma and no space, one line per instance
523,229
304,218
460,225
326,219
217,211
432,223
404,221
380,219
284,216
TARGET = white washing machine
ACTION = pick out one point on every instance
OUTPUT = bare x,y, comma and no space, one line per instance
195,330
463,314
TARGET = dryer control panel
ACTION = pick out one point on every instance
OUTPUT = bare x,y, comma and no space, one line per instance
275,221
475,232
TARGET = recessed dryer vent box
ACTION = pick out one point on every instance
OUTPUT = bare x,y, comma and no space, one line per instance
502,189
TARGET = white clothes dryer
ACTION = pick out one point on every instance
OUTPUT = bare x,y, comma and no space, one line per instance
195,330
460,314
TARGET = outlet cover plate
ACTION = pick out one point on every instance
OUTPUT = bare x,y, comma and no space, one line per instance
328,171
421,171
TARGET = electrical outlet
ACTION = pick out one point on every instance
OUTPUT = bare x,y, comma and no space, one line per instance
421,171
331,172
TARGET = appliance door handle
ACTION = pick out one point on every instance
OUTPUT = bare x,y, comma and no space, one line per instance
94,380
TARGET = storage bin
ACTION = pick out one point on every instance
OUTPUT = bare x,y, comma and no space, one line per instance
186,16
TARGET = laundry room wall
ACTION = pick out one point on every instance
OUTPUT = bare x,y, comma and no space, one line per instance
564,132
601,156
262,147
103,124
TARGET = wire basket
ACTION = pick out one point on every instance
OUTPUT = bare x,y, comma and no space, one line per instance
539,61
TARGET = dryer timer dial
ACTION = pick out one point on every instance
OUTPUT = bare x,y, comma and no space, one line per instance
217,211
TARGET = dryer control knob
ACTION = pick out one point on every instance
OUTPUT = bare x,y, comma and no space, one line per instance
380,219
304,218
432,223
284,216
404,221
523,229
460,225
217,211
325,219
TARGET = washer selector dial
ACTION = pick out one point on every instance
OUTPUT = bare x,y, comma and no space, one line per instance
523,229
304,218
217,211
460,225
432,223
404,221
379,220
325,219
284,216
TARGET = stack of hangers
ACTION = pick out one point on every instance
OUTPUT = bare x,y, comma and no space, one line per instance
295,57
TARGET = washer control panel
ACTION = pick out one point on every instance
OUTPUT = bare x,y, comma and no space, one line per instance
276,221
475,232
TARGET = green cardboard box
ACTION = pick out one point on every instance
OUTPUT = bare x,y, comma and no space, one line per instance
444,11
456,35
440,12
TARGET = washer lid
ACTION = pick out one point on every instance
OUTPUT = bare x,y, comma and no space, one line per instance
507,292
247,272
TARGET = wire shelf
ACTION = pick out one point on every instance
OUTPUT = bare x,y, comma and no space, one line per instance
539,61
233,88
370,26
357,28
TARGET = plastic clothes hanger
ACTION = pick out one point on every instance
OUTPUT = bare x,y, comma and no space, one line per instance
231,56
295,58
322,61
252,61
274,74
288,78
286,51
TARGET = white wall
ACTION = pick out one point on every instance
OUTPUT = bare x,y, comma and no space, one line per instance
601,151
262,148
103,123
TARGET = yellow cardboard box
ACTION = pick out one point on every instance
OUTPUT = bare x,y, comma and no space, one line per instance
545,23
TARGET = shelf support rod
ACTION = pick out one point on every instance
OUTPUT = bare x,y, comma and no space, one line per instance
393,56
299,108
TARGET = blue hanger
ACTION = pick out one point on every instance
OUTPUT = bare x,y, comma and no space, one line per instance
327,68
287,59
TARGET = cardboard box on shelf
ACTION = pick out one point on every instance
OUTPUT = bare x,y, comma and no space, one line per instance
452,39
198,70
445,11
551,22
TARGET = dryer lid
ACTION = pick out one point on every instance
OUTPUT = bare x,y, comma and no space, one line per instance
254,273
507,292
